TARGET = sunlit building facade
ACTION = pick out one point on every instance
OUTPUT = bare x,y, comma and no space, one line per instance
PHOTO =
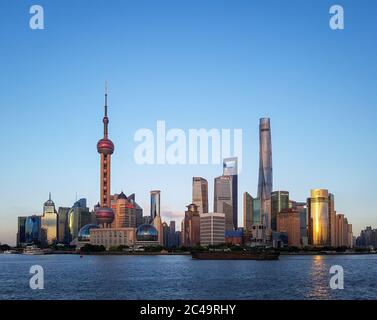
318,213
124,211
200,193
288,221
112,237
191,226
49,223
78,216
212,229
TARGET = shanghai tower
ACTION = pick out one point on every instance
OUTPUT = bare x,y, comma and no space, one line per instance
265,169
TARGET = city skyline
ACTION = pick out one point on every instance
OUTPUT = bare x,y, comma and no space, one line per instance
313,84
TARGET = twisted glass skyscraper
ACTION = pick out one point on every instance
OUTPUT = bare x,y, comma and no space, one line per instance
265,170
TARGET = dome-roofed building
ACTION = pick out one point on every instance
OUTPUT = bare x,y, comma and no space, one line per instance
84,233
146,232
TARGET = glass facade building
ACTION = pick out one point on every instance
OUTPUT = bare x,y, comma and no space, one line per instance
79,216
318,206
63,228
279,202
49,222
230,168
223,202
265,169
200,193
155,203
33,229
21,231
247,211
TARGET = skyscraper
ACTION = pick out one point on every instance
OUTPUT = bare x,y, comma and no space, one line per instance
200,193
318,214
191,226
223,200
33,229
63,225
247,212
226,194
332,220
125,215
21,231
105,148
78,216
279,201
288,221
265,169
49,222
173,242
155,203
230,168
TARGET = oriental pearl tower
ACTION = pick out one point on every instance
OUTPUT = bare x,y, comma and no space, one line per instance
105,147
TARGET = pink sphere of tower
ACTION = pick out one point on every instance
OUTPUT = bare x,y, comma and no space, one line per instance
105,146
105,216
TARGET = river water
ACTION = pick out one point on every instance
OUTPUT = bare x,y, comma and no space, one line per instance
180,277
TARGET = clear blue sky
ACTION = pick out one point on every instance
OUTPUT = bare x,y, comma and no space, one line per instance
193,63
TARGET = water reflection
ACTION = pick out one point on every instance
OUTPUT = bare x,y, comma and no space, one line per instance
318,279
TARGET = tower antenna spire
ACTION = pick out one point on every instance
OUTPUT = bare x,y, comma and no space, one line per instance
105,98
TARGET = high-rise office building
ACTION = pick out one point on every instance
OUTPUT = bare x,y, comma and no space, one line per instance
301,207
252,212
318,214
105,147
223,202
157,223
288,221
155,203
191,226
340,230
247,212
78,216
63,225
279,202
21,231
265,170
173,241
230,169
212,229
33,230
125,215
49,222
166,234
200,193
332,220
